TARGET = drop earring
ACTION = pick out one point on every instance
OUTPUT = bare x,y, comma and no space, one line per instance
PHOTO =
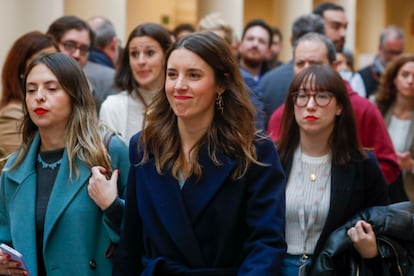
220,103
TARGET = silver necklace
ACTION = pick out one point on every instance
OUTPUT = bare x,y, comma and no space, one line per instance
45,165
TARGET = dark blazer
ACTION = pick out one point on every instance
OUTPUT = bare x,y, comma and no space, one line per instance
370,78
275,87
354,187
216,226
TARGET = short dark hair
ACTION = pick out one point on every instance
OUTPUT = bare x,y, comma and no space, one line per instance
277,31
330,47
69,22
261,23
183,27
327,6
307,23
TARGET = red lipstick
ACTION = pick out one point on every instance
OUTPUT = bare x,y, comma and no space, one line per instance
310,118
41,111
182,97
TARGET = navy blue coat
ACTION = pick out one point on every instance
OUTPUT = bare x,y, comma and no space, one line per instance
216,226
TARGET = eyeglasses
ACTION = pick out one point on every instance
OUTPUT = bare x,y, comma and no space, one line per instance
71,46
322,99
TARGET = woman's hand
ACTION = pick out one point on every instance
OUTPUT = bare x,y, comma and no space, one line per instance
8,267
405,161
364,239
102,190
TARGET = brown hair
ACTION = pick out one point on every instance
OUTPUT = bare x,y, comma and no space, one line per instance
387,92
83,135
15,64
231,133
344,140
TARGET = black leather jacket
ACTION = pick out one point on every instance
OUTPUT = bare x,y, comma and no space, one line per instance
394,229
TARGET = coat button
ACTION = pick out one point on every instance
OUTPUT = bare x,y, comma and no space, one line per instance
92,264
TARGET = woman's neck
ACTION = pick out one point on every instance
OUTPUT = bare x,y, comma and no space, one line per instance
51,141
314,146
404,107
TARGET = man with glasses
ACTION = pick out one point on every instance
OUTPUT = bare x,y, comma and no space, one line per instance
391,45
75,38
315,48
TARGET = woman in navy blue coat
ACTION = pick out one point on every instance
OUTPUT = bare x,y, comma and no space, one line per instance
205,194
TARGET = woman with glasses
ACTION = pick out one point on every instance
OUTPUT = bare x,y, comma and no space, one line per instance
330,176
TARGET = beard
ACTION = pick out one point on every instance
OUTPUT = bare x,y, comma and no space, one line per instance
252,62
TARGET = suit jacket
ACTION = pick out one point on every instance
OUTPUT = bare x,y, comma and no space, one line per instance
275,86
213,227
76,231
370,78
354,187
102,79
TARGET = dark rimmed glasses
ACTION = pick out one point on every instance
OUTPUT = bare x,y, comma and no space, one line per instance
71,46
321,99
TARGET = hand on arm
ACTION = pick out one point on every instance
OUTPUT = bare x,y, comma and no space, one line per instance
102,190
405,161
364,240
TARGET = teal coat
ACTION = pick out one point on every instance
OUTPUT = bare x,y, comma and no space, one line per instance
76,231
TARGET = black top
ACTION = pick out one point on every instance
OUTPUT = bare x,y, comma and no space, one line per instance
47,168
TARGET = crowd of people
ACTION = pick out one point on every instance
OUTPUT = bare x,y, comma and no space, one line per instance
190,152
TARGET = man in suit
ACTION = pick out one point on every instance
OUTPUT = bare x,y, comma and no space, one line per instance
75,38
275,83
391,45
105,49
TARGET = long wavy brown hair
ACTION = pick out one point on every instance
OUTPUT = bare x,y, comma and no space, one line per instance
387,91
344,140
231,133
83,134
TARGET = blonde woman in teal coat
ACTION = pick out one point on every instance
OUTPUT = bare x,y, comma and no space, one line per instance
51,209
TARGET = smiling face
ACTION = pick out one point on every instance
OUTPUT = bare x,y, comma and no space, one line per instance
313,119
146,59
49,106
191,87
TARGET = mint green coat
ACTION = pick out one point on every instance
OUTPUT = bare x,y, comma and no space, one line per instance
76,231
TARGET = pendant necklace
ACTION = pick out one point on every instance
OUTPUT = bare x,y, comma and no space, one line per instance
45,165
312,177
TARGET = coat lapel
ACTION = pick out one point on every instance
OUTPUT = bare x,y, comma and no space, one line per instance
22,208
165,197
340,198
197,195
64,190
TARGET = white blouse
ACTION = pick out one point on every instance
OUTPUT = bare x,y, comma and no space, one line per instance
307,201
